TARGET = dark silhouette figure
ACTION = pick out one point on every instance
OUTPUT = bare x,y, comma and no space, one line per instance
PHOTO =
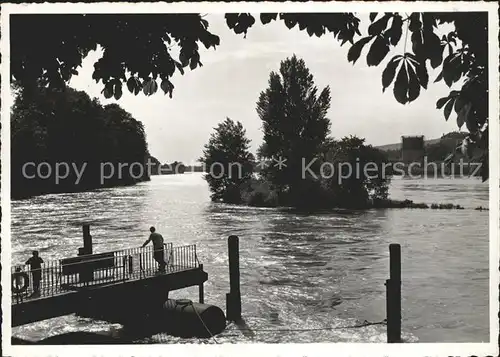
35,263
158,247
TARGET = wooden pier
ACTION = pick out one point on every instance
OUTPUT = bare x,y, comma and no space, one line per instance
123,279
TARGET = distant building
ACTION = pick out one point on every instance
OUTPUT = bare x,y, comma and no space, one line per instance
172,169
412,149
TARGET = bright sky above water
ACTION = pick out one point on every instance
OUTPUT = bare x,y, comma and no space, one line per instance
233,75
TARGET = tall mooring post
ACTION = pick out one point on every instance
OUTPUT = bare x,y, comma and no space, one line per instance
201,289
87,241
393,291
233,299
86,275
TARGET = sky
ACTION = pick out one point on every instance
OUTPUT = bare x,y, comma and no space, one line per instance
234,74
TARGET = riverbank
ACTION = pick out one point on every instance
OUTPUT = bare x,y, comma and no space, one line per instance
316,196
27,194
388,203
260,195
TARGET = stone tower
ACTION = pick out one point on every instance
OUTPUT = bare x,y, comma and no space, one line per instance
412,149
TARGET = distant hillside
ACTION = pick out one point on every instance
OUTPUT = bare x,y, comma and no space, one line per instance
456,135
397,146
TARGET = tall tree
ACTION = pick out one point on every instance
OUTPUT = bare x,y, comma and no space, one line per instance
228,162
294,122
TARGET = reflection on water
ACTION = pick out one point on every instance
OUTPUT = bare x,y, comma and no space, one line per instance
297,271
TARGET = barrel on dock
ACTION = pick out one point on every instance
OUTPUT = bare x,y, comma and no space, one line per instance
186,318
181,318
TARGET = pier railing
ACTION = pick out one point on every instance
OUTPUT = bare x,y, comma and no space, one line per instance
84,271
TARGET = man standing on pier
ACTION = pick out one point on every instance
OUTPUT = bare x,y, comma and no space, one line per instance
35,263
159,254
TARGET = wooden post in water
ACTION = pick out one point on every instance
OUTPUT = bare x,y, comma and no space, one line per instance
87,239
233,299
393,298
86,275
201,289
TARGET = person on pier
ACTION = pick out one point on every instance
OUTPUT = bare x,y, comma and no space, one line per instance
158,247
35,263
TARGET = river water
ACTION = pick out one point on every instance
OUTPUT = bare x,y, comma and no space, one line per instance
316,274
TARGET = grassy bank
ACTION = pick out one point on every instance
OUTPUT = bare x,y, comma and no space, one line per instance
35,191
259,201
260,194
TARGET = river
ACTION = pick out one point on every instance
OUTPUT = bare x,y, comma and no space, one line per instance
320,273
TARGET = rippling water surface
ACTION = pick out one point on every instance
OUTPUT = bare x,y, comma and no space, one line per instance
297,271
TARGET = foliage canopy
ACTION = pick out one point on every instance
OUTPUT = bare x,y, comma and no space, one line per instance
50,127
